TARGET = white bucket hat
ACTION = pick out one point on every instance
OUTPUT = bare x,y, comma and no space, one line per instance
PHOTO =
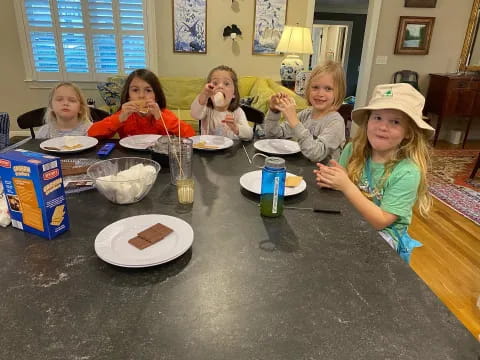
401,96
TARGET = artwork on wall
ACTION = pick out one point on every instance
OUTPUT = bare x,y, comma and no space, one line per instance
414,35
421,3
189,26
268,25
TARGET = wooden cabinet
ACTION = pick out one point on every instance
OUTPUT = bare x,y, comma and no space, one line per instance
453,95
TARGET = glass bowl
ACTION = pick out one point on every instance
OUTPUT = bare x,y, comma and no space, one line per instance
124,180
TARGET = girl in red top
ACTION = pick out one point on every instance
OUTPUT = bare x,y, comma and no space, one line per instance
142,111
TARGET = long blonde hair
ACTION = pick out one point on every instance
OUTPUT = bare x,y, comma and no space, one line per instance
414,146
338,74
83,114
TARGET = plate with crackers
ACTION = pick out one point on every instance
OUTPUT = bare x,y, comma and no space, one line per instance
211,142
139,142
144,240
277,146
252,181
68,144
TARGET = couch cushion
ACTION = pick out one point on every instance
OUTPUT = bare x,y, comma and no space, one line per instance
261,93
300,101
181,91
245,84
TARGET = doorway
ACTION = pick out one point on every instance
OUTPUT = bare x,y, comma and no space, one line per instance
331,41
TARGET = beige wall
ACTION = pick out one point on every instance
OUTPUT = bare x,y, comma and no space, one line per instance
16,96
451,19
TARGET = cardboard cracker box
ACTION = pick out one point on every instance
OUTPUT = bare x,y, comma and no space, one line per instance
34,190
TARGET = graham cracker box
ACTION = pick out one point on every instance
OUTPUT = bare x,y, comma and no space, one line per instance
34,191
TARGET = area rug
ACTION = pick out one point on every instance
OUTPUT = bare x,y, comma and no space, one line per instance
450,183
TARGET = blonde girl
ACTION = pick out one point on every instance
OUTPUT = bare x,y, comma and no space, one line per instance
383,172
218,106
319,129
67,112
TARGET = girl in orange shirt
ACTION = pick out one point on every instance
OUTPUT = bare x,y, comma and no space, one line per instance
142,111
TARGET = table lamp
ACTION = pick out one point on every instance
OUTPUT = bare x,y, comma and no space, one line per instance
295,40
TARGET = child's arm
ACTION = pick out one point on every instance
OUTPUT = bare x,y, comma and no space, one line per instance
330,137
106,128
273,129
239,125
198,111
335,177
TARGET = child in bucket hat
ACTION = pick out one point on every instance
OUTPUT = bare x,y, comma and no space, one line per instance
383,171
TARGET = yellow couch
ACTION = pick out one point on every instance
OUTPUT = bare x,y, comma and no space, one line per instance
181,91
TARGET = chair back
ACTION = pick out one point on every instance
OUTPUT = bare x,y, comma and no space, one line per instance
406,76
31,119
253,115
4,130
98,114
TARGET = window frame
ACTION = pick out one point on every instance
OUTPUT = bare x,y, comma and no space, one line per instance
39,79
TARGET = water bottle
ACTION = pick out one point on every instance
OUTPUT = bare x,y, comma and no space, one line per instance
273,187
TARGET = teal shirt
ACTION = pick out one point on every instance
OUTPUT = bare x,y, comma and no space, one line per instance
398,195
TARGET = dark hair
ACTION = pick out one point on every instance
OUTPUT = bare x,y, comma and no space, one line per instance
235,103
151,79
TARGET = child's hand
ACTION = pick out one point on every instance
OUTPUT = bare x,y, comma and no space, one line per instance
128,109
206,93
333,176
153,109
230,122
274,101
288,107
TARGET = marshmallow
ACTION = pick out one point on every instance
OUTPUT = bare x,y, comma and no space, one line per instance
219,99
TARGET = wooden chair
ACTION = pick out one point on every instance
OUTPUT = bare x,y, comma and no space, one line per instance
253,115
34,118
406,76
475,168
31,119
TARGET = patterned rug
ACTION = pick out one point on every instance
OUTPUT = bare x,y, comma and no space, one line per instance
450,183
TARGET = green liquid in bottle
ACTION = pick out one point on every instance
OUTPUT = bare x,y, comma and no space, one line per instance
267,205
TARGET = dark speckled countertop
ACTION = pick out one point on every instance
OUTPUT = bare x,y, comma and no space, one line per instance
303,286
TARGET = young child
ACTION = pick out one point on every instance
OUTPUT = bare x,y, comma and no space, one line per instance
218,106
143,111
319,129
383,172
67,113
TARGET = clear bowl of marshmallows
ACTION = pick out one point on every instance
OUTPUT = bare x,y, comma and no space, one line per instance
124,180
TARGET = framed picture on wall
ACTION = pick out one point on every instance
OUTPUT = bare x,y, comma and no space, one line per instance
414,35
189,26
268,25
421,3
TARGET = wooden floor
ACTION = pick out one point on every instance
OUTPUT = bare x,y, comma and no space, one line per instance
449,261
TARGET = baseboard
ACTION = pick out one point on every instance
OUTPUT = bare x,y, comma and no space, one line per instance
19,133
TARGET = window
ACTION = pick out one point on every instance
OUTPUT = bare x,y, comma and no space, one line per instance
85,40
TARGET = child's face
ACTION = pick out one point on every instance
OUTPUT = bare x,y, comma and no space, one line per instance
140,90
386,129
322,94
223,82
65,103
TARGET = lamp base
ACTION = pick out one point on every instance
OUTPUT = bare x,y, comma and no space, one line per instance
289,68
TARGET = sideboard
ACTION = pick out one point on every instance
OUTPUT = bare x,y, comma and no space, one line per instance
453,95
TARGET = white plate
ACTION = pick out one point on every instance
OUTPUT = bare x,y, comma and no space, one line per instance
111,244
252,181
277,146
139,142
86,142
220,142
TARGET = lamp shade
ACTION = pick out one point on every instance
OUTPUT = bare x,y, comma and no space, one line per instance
295,40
